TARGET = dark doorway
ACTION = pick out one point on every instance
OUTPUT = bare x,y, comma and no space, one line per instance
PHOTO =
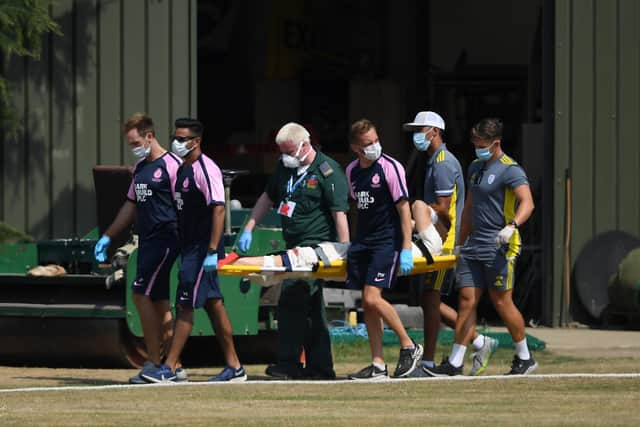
326,63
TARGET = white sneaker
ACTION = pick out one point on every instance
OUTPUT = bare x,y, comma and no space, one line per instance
181,375
481,357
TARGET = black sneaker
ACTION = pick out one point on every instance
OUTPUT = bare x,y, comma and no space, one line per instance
522,367
408,360
320,375
370,373
444,369
284,372
418,373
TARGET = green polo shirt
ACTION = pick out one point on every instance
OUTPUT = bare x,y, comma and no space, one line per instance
321,190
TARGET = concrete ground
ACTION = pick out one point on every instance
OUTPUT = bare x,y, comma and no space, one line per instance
585,342
579,341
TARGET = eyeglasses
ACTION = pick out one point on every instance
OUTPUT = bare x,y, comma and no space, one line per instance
183,138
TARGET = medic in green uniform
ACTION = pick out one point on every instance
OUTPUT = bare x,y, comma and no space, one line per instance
309,191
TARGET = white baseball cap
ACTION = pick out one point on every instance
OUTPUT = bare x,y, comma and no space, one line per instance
425,118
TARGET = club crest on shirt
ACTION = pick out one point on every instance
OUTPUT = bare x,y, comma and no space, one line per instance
185,184
375,181
157,175
491,178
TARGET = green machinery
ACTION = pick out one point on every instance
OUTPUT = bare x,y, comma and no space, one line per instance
87,317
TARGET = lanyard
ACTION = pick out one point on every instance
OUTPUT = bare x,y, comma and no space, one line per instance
291,186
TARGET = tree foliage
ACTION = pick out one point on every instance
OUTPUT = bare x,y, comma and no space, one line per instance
22,25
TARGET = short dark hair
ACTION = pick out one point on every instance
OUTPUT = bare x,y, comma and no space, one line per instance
194,125
141,122
489,128
359,127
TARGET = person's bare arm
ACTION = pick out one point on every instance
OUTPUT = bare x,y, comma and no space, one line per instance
263,204
217,222
342,225
126,216
525,204
405,222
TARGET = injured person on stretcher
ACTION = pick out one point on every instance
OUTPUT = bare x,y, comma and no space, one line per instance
325,259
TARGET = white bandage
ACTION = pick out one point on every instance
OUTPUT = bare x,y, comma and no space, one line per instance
268,261
302,257
434,215
432,240
333,251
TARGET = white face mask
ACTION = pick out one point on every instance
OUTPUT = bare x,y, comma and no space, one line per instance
372,152
290,161
141,151
180,148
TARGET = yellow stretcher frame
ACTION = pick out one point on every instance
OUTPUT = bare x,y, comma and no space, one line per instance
336,271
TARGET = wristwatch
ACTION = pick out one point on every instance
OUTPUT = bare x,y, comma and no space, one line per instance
212,251
514,223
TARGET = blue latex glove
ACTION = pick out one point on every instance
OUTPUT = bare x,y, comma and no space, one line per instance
210,263
244,243
100,250
406,261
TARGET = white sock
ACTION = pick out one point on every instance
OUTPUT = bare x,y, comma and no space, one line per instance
522,351
382,366
427,363
457,355
478,342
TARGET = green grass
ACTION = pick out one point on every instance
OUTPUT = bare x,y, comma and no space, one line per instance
357,355
517,401
523,401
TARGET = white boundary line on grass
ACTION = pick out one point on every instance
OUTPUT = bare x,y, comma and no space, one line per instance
292,382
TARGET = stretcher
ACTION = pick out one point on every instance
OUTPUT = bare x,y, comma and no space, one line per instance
336,271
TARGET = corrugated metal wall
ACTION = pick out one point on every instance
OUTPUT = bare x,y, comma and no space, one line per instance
597,111
116,57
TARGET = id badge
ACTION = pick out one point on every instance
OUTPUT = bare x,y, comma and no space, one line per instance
286,208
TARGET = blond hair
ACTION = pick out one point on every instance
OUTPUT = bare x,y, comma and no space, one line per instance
292,132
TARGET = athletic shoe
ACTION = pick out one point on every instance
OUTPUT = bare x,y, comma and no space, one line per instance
284,372
230,375
160,374
481,357
444,369
181,375
522,367
320,375
137,379
371,373
408,360
418,373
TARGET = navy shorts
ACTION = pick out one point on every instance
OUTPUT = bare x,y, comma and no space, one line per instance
196,286
497,273
155,259
441,281
371,265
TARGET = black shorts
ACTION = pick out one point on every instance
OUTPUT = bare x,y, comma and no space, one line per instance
374,265
155,259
